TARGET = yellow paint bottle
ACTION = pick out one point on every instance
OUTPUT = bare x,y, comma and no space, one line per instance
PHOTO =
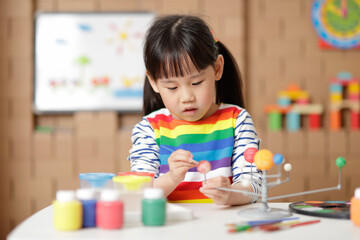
67,211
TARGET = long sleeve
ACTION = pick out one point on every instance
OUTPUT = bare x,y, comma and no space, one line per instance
245,137
144,154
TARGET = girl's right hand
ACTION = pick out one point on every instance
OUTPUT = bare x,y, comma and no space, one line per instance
180,162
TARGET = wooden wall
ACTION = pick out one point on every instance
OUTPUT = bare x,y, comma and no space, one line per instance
274,44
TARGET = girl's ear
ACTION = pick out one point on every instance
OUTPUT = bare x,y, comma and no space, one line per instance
219,67
152,83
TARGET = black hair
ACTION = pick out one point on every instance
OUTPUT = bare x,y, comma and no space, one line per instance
173,44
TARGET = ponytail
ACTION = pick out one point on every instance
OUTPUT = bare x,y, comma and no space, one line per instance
229,87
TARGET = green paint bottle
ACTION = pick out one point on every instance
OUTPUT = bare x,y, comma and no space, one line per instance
153,207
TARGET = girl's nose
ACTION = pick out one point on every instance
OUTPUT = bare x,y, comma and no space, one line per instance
187,95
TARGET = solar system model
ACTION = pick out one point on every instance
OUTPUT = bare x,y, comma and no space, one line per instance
264,160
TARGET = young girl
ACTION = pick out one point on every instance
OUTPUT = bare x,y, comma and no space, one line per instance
194,111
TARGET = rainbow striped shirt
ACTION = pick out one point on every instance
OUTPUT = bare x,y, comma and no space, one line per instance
221,139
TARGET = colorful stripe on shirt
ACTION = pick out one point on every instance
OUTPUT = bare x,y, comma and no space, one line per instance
211,139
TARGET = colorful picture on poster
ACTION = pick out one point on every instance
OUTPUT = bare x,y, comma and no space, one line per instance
89,61
337,23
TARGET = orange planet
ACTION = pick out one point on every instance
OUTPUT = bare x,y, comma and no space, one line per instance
263,159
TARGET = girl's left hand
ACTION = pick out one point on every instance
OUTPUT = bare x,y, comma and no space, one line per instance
218,196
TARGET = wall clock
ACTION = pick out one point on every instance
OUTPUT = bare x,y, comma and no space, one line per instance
337,23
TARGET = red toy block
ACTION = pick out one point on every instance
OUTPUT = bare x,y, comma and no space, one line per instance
355,120
314,121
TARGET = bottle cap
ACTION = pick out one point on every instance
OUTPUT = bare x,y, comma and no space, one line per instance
110,195
65,195
357,193
132,182
86,194
153,193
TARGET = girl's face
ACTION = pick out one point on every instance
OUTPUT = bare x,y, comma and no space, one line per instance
193,96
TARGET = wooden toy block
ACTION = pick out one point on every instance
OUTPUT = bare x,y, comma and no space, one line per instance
293,102
275,121
293,121
335,120
308,108
353,88
314,121
335,97
355,120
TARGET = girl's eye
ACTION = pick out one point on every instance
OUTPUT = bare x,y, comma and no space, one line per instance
197,83
172,88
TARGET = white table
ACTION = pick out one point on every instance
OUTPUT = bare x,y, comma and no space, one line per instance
209,222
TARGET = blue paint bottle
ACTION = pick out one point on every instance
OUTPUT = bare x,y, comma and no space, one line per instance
87,197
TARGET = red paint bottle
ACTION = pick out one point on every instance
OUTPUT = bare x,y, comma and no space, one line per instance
109,210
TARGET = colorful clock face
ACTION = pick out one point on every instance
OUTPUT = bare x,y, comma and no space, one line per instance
337,22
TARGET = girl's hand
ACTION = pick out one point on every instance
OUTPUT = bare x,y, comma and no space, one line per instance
180,162
218,196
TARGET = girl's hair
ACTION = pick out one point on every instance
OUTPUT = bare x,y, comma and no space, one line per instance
176,42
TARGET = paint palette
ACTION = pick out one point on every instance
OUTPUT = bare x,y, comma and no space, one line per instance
327,209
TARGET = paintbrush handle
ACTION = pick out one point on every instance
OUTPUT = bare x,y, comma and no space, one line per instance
304,223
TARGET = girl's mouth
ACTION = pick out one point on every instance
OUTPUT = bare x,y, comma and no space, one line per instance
190,111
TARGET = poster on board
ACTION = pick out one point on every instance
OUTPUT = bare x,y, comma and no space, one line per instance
89,61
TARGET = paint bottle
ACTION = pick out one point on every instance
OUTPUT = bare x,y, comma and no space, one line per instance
153,207
67,211
109,210
87,197
355,208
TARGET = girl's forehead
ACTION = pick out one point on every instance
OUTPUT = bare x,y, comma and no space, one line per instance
193,75
179,67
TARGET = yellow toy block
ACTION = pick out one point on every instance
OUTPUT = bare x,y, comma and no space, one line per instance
335,97
353,88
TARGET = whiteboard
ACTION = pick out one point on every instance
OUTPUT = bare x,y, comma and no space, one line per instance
89,61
